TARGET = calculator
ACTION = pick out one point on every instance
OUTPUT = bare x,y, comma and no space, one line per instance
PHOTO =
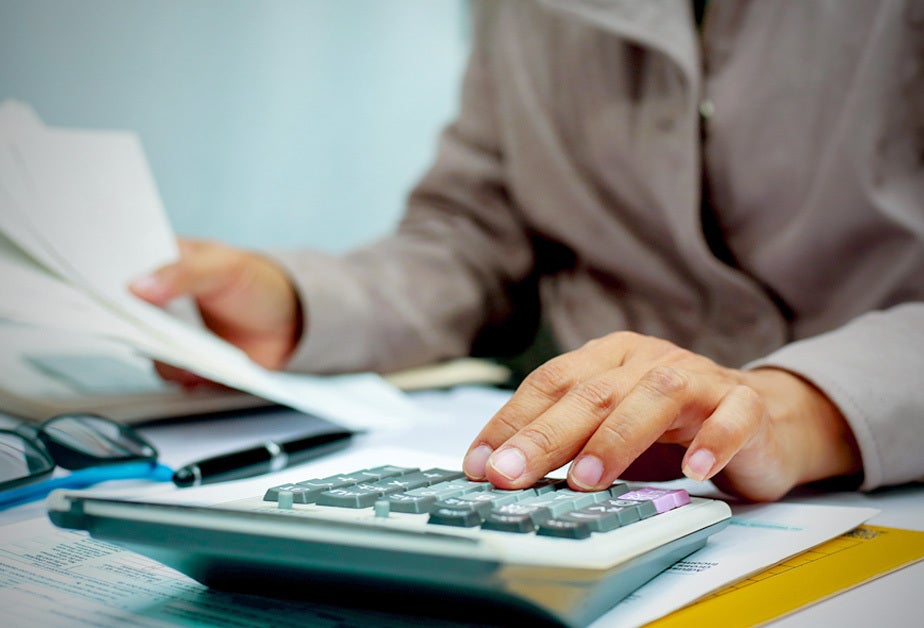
421,541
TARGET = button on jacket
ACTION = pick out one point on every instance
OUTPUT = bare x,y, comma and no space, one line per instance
572,183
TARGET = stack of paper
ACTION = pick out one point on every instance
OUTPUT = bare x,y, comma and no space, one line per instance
80,217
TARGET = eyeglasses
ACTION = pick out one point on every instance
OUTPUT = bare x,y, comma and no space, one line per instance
95,448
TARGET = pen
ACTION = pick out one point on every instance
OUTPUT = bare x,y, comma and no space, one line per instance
264,458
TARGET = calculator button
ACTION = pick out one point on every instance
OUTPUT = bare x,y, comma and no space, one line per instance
437,475
334,481
415,504
501,522
300,494
536,512
386,471
359,496
663,499
564,500
438,491
402,483
468,486
645,509
459,503
564,528
604,517
491,498
460,517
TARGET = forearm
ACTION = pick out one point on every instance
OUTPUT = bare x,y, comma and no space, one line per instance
394,305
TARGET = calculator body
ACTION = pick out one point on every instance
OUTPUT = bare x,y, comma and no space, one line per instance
396,562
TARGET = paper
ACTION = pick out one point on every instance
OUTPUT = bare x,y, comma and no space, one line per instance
55,578
842,563
757,537
81,218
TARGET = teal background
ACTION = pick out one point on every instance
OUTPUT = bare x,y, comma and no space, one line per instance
276,123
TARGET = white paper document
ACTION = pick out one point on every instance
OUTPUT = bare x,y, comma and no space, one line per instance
758,537
52,578
80,218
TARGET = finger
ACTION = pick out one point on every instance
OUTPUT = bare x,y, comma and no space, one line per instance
185,378
203,268
739,417
537,393
663,398
555,436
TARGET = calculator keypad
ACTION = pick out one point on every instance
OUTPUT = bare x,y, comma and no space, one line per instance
549,508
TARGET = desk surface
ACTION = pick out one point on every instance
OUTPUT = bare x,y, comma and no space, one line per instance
889,600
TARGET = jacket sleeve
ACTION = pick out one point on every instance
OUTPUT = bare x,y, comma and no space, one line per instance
873,370
449,272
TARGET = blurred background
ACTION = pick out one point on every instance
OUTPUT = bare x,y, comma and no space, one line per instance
266,123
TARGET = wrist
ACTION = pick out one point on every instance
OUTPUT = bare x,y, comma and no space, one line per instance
814,433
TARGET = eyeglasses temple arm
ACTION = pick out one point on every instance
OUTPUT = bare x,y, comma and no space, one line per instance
84,478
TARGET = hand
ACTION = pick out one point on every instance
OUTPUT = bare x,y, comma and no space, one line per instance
244,298
628,403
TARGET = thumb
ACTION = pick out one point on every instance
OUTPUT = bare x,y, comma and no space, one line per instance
203,268
157,287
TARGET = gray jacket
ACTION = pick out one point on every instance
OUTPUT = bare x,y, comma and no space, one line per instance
572,179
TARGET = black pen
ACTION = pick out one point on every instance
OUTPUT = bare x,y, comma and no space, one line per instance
264,458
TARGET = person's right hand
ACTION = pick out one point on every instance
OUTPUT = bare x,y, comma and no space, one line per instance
244,298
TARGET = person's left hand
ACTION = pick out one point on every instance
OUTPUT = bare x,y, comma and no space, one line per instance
628,403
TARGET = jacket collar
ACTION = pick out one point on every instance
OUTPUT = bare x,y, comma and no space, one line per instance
663,25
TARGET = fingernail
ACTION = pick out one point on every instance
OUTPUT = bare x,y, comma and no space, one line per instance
587,471
509,462
475,461
699,464
149,286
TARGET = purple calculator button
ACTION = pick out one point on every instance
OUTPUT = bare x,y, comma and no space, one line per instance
663,499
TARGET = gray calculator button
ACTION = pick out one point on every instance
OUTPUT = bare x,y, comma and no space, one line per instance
416,504
400,483
334,481
645,508
360,496
382,487
437,475
438,490
624,512
489,497
564,528
411,480
459,503
386,471
583,499
598,518
557,502
300,494
517,494
536,512
360,476
547,485
460,517
470,487
508,523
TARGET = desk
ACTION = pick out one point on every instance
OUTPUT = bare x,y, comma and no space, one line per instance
458,417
